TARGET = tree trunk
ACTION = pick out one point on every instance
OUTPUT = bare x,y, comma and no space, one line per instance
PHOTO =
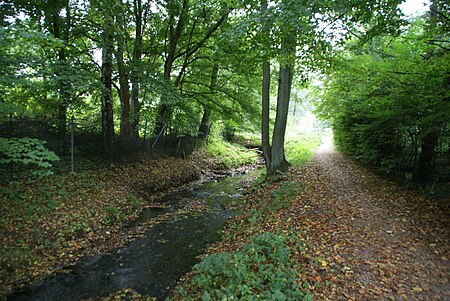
265,101
265,117
266,105
164,109
136,60
64,94
124,92
205,125
279,163
107,100
424,164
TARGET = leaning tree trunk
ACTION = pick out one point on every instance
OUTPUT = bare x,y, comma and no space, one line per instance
107,100
279,163
164,109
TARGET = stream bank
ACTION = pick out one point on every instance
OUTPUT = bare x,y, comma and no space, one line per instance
181,228
49,225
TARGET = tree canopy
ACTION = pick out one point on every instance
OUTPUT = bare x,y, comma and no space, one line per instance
136,71
388,102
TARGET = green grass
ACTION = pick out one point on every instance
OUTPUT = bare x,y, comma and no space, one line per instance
300,149
230,155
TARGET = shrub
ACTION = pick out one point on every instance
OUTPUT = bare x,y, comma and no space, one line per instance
27,152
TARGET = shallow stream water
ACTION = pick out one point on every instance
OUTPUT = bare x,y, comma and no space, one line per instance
152,264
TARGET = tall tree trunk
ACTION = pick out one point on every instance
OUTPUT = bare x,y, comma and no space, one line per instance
135,63
266,105
107,100
124,92
64,94
205,123
265,138
279,163
164,109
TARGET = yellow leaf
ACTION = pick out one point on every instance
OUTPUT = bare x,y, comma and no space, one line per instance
417,289
323,263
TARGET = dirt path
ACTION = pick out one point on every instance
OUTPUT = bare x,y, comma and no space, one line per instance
374,240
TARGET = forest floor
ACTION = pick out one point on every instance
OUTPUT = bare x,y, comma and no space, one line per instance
366,238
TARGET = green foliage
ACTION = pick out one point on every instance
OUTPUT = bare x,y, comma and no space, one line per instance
113,214
261,271
385,101
134,201
29,152
230,155
300,150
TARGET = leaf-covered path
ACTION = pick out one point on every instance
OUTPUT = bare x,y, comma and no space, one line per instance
374,240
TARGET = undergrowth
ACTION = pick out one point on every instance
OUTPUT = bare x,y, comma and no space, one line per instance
230,155
300,149
263,270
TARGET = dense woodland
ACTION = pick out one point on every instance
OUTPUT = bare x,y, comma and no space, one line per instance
131,76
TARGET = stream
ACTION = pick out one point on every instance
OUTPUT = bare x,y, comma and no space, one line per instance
151,264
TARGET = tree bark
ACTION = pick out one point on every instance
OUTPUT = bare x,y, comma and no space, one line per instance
279,163
126,129
266,105
164,109
107,100
265,124
64,94
205,123
135,63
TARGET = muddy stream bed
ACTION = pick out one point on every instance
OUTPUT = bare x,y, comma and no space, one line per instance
152,264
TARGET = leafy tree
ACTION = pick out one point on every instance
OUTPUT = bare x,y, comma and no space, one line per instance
388,102
189,27
302,33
